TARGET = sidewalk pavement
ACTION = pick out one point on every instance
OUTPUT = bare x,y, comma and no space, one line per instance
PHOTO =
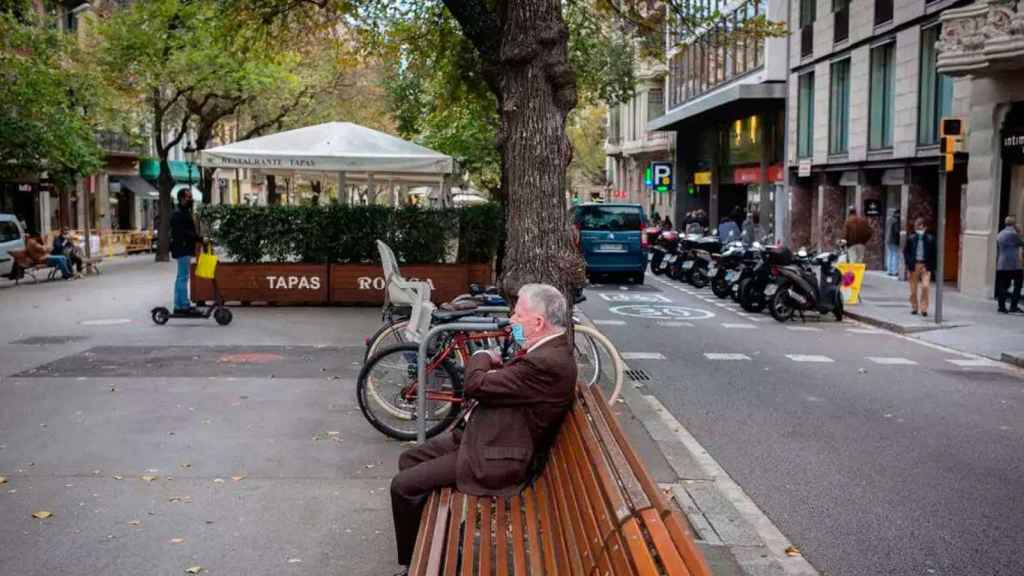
969,324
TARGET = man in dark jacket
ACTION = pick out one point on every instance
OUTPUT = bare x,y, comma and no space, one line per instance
183,246
514,411
919,254
1008,270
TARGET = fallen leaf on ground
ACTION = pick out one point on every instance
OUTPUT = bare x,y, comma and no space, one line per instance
218,480
149,478
294,560
792,551
237,478
368,466
3,479
116,477
194,570
333,432
177,540
42,514
185,499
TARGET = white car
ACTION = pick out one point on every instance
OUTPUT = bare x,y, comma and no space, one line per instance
12,239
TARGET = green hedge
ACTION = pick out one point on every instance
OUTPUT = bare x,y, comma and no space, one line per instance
342,233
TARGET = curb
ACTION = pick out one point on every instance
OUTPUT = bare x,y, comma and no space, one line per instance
894,326
1015,358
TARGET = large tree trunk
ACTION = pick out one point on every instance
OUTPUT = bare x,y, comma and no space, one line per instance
524,47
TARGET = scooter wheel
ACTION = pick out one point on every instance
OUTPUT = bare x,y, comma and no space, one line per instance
222,316
160,315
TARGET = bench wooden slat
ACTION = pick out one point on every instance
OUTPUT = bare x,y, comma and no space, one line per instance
611,444
418,565
534,544
469,535
579,550
485,536
638,551
683,539
617,438
554,545
451,560
501,539
667,552
603,467
437,541
588,495
518,543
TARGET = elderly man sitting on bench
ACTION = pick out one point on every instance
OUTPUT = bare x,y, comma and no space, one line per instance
513,412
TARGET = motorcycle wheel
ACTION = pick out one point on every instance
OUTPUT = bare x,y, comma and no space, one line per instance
751,299
697,278
656,267
779,307
720,287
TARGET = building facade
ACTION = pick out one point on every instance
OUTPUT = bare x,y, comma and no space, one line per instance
983,45
865,101
725,103
631,148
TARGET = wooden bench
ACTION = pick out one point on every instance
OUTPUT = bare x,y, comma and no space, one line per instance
33,273
593,510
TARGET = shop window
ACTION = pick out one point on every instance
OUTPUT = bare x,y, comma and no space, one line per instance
882,97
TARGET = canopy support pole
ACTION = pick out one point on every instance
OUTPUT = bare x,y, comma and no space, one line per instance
342,188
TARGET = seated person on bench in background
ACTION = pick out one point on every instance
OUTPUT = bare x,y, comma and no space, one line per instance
513,412
38,254
64,245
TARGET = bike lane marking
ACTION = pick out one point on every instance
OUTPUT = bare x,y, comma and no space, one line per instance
642,356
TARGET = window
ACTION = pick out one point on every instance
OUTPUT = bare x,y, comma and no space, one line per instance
807,16
805,116
935,99
610,218
655,103
841,20
9,232
883,11
839,107
882,97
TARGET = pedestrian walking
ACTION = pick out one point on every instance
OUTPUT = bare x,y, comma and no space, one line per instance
919,254
1008,270
728,229
892,243
183,246
857,233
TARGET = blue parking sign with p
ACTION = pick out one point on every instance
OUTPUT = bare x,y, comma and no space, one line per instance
662,176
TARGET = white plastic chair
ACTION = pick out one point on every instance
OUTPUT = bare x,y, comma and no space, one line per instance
402,292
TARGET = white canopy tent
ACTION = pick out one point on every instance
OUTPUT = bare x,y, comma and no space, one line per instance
347,152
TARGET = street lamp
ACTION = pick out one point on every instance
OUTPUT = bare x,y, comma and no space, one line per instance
190,158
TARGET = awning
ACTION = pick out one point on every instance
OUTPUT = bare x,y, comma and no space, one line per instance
138,185
330,147
730,95
149,169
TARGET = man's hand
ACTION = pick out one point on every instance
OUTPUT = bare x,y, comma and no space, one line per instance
495,356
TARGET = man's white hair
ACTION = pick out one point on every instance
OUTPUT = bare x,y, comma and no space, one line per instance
547,301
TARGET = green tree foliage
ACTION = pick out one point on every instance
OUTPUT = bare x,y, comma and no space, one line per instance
51,104
587,133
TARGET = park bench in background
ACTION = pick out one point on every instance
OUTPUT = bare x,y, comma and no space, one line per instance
594,509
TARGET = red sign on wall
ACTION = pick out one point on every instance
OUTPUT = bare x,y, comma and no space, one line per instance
752,174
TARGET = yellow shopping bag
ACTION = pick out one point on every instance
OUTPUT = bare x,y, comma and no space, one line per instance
853,274
207,265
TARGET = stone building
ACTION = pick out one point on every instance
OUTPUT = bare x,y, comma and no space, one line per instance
864,105
631,148
983,43
725,104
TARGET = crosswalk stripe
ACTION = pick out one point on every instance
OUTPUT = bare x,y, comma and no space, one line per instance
725,356
670,324
864,331
972,362
891,361
809,358
803,329
741,326
642,356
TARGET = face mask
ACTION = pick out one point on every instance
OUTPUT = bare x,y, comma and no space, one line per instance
518,334
920,232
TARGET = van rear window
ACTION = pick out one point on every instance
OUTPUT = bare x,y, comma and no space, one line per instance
9,232
610,218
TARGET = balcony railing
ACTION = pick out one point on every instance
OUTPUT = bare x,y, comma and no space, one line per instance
117,143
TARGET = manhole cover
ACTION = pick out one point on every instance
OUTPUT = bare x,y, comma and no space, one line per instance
250,358
47,340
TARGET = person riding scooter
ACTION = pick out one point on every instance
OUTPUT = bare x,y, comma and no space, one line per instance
183,246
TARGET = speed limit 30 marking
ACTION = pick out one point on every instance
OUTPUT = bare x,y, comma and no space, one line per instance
661,312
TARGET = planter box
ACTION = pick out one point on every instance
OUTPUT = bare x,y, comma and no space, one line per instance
364,283
271,283
321,284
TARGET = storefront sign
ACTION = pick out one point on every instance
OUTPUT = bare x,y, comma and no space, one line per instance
804,169
752,174
1013,146
872,207
702,178
662,176
24,187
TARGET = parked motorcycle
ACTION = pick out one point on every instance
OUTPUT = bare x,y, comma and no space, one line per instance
811,284
663,251
726,268
752,287
695,268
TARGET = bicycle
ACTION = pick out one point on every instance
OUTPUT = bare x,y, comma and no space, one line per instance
387,386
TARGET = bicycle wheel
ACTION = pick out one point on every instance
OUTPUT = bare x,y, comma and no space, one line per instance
588,359
611,369
386,391
387,335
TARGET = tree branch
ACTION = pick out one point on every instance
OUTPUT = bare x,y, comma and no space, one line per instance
285,111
